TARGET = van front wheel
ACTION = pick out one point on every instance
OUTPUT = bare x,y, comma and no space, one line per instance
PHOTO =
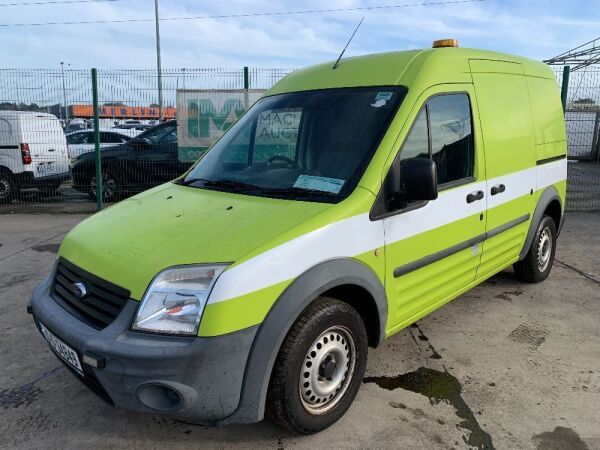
537,264
319,368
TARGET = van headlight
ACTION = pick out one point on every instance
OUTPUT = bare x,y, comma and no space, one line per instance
176,299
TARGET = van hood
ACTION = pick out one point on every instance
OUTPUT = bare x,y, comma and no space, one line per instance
130,242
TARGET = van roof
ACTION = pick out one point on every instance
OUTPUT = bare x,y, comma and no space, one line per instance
427,66
5,114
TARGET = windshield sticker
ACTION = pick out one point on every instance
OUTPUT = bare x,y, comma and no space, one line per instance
381,99
324,184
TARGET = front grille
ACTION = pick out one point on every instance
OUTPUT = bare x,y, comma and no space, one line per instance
102,302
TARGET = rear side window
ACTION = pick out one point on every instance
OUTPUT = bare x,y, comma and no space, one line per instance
111,138
79,138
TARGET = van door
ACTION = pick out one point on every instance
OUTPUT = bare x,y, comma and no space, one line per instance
433,248
10,154
507,131
47,144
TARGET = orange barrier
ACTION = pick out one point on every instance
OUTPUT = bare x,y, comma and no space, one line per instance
122,112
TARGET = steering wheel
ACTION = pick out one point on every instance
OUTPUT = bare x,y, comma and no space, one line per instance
289,161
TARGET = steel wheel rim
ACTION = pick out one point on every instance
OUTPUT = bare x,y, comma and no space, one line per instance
109,185
4,188
544,249
327,370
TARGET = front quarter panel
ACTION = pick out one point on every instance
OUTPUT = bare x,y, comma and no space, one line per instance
283,314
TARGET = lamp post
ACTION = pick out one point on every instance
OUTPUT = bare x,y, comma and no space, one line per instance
62,70
158,65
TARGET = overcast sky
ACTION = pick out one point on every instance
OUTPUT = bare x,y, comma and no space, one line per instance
534,28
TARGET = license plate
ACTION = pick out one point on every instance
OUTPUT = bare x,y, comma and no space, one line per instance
46,169
63,350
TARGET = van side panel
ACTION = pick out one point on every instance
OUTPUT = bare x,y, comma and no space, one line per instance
550,137
550,133
509,144
10,153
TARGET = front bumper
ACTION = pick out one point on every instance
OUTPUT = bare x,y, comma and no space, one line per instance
206,373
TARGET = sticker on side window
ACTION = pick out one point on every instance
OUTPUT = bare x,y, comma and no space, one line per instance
381,99
324,184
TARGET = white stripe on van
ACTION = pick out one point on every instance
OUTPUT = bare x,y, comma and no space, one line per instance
357,235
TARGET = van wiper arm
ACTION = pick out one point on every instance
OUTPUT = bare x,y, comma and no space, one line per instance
223,183
189,181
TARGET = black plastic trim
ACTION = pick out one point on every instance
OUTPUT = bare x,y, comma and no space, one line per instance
438,256
539,162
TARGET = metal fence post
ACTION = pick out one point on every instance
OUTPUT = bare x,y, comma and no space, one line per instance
97,140
565,86
246,87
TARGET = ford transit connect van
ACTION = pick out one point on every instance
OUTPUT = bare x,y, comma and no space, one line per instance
343,206
33,153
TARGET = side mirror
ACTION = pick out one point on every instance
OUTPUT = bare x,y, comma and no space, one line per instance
420,179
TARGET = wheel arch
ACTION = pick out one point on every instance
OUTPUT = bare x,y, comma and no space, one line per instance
345,279
549,203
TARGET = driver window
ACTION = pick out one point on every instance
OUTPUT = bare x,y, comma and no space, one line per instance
277,135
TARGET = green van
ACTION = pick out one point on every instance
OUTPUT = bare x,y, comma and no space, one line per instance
343,206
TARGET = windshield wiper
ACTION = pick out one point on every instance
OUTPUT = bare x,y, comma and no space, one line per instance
223,183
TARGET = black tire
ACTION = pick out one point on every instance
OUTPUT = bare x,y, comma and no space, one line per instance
289,403
112,185
537,264
8,190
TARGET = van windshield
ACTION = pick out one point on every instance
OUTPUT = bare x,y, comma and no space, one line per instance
311,145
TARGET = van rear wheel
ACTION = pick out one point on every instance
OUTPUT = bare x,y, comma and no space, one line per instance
536,265
319,368
8,189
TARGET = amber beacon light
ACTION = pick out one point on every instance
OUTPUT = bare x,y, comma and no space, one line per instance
445,43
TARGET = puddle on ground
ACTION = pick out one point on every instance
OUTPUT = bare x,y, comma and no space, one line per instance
24,395
529,334
560,438
52,248
439,387
421,336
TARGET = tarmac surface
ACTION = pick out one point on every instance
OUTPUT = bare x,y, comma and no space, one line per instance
507,365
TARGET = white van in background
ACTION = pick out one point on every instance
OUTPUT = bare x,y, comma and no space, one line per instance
33,153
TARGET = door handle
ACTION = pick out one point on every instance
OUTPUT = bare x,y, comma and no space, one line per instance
474,196
498,189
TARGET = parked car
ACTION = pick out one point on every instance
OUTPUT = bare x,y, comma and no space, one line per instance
143,162
80,142
33,153
76,125
133,126
342,207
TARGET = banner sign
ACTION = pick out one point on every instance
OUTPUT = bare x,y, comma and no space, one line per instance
204,115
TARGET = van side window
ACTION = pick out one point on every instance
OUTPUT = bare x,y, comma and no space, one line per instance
443,132
415,146
451,137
